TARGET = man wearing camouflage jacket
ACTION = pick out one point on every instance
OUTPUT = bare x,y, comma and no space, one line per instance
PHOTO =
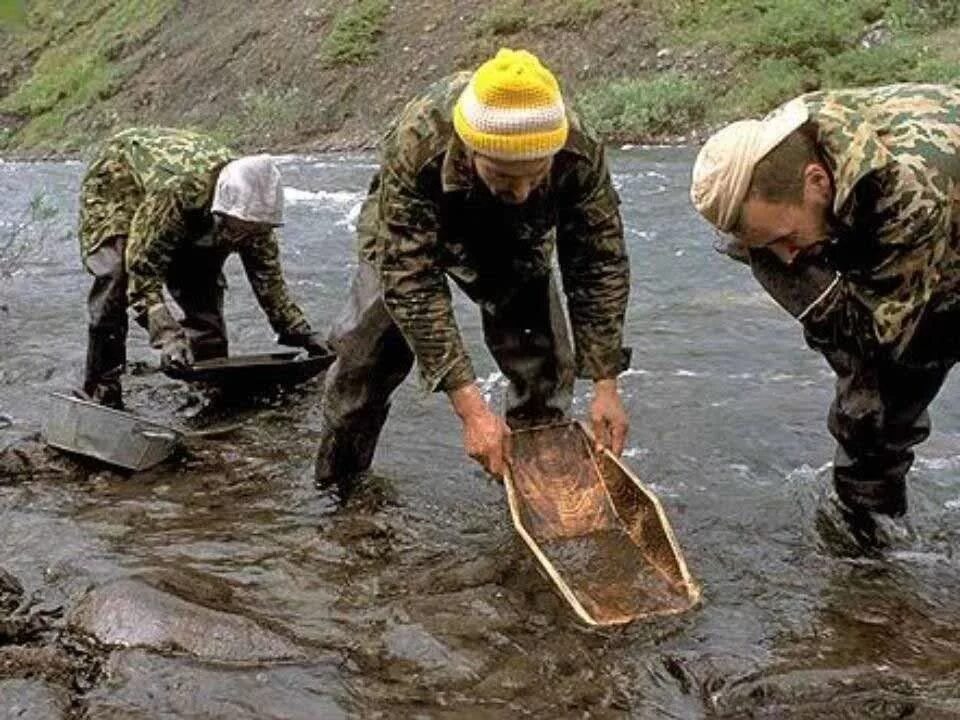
483,178
846,204
167,207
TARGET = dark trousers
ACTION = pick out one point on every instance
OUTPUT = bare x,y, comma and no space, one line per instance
196,283
527,336
878,414
879,411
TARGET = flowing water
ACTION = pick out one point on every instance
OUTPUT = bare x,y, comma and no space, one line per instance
222,585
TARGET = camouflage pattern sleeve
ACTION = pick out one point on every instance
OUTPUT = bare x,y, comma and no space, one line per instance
594,266
877,309
155,232
893,151
261,262
415,289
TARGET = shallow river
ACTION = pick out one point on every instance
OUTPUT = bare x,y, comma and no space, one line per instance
417,599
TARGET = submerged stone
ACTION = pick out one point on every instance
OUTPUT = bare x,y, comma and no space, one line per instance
139,685
11,592
31,700
131,613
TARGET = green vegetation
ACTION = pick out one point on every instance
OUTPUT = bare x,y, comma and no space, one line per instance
12,11
264,113
781,48
355,32
888,63
81,57
508,17
766,85
574,14
774,50
65,61
502,18
664,104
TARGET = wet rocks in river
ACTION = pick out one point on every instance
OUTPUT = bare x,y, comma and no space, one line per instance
29,458
417,650
11,592
21,619
33,679
131,613
49,662
31,700
140,685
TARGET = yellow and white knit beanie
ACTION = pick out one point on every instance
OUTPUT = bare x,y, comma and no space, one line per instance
512,109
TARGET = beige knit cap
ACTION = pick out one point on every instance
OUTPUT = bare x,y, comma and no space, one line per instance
724,167
250,189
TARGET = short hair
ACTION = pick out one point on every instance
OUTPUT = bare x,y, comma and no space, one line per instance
778,177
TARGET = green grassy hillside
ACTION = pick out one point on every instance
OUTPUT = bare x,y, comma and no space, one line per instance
295,74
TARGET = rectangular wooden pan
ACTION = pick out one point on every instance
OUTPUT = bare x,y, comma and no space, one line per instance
601,536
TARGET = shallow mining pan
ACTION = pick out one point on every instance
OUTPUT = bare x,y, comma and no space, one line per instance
111,436
289,368
599,533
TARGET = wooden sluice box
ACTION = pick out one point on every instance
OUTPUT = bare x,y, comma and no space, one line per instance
600,535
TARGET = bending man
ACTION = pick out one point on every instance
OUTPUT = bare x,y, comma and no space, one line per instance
846,205
483,178
167,207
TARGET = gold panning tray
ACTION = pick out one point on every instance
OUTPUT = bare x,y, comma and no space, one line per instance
598,532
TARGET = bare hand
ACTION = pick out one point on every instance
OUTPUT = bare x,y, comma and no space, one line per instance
485,434
608,416
485,438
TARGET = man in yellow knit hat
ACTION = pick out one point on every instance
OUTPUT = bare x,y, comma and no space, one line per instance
483,178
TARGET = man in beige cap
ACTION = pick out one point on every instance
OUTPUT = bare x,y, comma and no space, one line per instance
163,207
846,206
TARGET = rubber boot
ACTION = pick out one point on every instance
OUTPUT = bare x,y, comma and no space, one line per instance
344,455
887,496
106,359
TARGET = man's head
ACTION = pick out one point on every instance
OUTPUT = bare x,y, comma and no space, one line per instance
512,119
765,182
248,199
511,182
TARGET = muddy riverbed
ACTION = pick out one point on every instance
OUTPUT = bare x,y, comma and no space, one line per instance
222,585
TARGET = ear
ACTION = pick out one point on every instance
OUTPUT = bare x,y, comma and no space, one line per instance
817,184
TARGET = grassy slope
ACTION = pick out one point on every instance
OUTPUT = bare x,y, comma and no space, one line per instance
773,50
306,73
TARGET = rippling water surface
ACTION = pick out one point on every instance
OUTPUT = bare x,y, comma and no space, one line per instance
417,599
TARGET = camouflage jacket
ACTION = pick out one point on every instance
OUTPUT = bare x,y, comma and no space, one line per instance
894,260
428,216
155,186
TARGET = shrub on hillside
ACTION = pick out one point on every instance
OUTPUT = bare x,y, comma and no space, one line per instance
356,29
938,70
665,104
773,81
802,30
575,14
502,18
896,62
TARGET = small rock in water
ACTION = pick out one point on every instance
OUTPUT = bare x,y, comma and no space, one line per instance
31,700
131,613
141,684
414,644
11,592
